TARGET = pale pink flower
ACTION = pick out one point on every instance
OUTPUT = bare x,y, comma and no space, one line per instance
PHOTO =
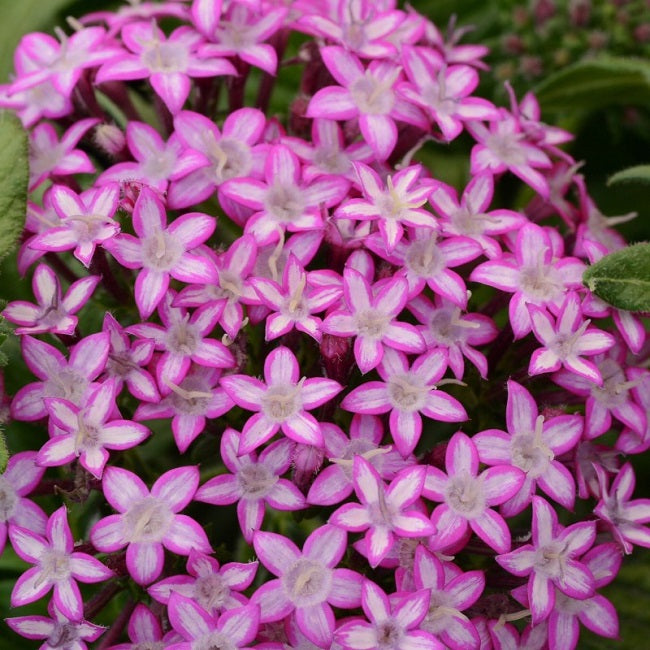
335,483
168,63
56,566
307,581
623,516
361,27
215,588
49,156
505,146
470,217
566,340
392,206
253,482
234,628
446,326
281,403
284,201
189,403
532,443
368,94
41,58
58,631
406,392
385,513
162,251
86,221
537,273
53,313
231,290
327,153
20,477
149,520
466,497
156,163
443,91
613,398
184,339
371,317
59,378
551,561
241,32
127,361
450,595
425,259
395,622
88,430
295,301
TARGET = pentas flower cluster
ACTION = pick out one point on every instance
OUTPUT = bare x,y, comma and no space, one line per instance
273,332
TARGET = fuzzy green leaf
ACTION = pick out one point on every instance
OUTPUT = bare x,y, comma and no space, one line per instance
636,174
14,178
622,278
598,82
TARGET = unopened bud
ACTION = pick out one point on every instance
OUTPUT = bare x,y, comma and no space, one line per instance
336,356
307,460
111,139
642,33
543,10
580,12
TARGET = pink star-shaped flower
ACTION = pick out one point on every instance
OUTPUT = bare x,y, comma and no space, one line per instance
149,520
281,403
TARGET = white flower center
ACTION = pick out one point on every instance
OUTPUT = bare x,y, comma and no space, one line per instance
230,158
182,338
406,392
160,251
389,635
55,566
66,384
87,435
551,560
192,397
147,520
63,636
256,481
307,582
280,402
214,641
464,494
165,57
371,323
423,258
440,610
529,451
614,391
506,147
372,96
211,591
285,202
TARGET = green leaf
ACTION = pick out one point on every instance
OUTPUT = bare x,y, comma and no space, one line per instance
598,82
14,177
636,174
622,278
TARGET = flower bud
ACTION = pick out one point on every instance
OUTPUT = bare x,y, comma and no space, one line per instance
110,138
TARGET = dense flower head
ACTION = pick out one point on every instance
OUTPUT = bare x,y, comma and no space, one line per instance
287,292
